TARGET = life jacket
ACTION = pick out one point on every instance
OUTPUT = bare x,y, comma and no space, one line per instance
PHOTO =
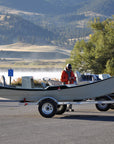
65,77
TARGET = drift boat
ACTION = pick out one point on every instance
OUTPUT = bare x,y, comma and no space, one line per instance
58,93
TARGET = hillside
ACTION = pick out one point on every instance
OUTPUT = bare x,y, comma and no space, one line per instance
14,28
56,22
41,33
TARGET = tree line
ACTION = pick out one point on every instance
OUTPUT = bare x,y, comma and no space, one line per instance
97,54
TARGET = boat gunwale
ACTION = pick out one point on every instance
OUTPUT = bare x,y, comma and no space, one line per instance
50,88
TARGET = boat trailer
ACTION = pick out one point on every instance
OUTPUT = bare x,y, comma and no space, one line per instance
48,106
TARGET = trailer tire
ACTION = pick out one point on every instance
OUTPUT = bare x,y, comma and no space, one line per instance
103,107
61,109
112,106
47,108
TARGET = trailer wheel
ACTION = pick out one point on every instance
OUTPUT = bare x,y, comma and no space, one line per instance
47,108
112,106
61,109
103,107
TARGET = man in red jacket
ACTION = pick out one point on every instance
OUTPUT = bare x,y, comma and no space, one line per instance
67,76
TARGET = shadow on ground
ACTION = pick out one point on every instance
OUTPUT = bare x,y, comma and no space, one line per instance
89,117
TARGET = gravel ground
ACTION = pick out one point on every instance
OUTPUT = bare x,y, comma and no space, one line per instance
24,125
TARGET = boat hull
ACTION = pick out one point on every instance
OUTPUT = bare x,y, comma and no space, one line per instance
60,93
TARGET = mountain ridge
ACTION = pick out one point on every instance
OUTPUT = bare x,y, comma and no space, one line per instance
57,20
14,28
60,6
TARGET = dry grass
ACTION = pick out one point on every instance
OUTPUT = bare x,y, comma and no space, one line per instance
24,47
37,83
16,63
33,63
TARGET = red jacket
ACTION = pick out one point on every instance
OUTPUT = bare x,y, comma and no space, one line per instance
65,77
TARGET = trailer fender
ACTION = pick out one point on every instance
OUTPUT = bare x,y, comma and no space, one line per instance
44,98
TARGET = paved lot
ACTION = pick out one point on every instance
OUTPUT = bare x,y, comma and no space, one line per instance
24,125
